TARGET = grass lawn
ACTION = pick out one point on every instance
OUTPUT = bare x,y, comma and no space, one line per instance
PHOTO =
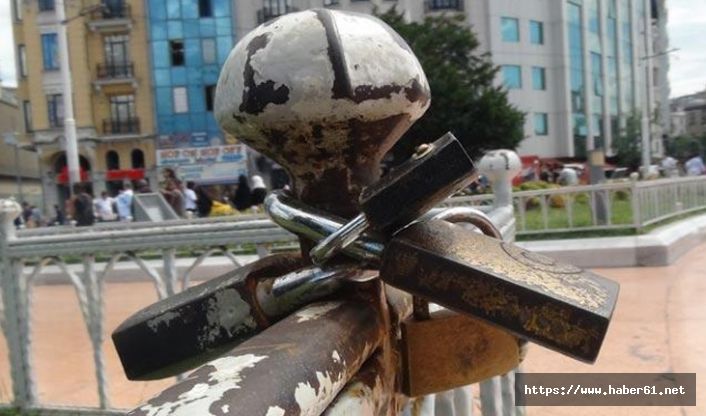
581,215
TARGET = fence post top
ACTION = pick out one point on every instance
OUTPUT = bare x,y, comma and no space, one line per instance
497,164
9,210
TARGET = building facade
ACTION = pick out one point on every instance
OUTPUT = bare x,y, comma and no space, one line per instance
189,40
19,170
578,68
112,94
688,115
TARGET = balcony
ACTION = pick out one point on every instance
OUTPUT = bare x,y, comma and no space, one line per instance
268,13
128,127
123,70
110,17
115,73
431,6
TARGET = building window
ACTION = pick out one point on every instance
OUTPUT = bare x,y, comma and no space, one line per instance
50,53
176,50
210,93
512,76
17,9
180,100
55,110
46,5
539,80
205,8
208,50
27,113
330,3
541,124
22,60
536,32
112,160
510,28
138,159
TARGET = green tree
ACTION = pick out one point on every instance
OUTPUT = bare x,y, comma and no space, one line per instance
465,100
628,144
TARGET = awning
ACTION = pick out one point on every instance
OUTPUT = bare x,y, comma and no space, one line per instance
124,174
63,176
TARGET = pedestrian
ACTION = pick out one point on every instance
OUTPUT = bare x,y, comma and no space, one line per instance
35,217
83,206
242,196
190,198
258,190
174,197
204,202
104,207
124,203
695,165
142,187
59,217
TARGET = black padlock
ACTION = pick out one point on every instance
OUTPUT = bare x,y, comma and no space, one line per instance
560,306
194,326
435,172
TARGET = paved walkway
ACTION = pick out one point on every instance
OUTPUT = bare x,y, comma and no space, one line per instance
659,325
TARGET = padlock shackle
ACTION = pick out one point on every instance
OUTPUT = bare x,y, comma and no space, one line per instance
315,225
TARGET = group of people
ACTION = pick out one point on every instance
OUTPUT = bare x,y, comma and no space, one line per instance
191,200
188,200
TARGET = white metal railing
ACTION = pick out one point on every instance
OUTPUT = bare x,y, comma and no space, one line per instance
24,254
609,206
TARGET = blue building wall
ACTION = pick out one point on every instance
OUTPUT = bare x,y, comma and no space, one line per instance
180,20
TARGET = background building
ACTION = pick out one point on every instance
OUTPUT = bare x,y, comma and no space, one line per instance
688,115
19,170
578,68
112,97
189,42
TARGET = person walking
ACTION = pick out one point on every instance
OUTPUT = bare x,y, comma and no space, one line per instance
83,206
242,196
204,203
104,207
190,198
695,165
124,203
259,191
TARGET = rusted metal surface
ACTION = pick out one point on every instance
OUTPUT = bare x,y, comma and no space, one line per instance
368,393
185,330
450,350
295,367
324,93
556,305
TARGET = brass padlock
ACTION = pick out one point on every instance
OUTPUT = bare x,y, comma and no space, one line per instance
443,350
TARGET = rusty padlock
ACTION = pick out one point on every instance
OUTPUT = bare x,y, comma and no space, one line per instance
443,350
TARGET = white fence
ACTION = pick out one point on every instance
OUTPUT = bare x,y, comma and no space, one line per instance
610,206
97,250
26,253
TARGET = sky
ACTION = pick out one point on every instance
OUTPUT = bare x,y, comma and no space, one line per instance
687,31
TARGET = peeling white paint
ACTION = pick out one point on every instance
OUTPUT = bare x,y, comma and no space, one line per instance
275,411
336,357
225,408
227,312
164,318
312,402
226,376
315,312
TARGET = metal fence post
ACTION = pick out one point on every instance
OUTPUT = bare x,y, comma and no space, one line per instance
500,166
635,203
15,309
